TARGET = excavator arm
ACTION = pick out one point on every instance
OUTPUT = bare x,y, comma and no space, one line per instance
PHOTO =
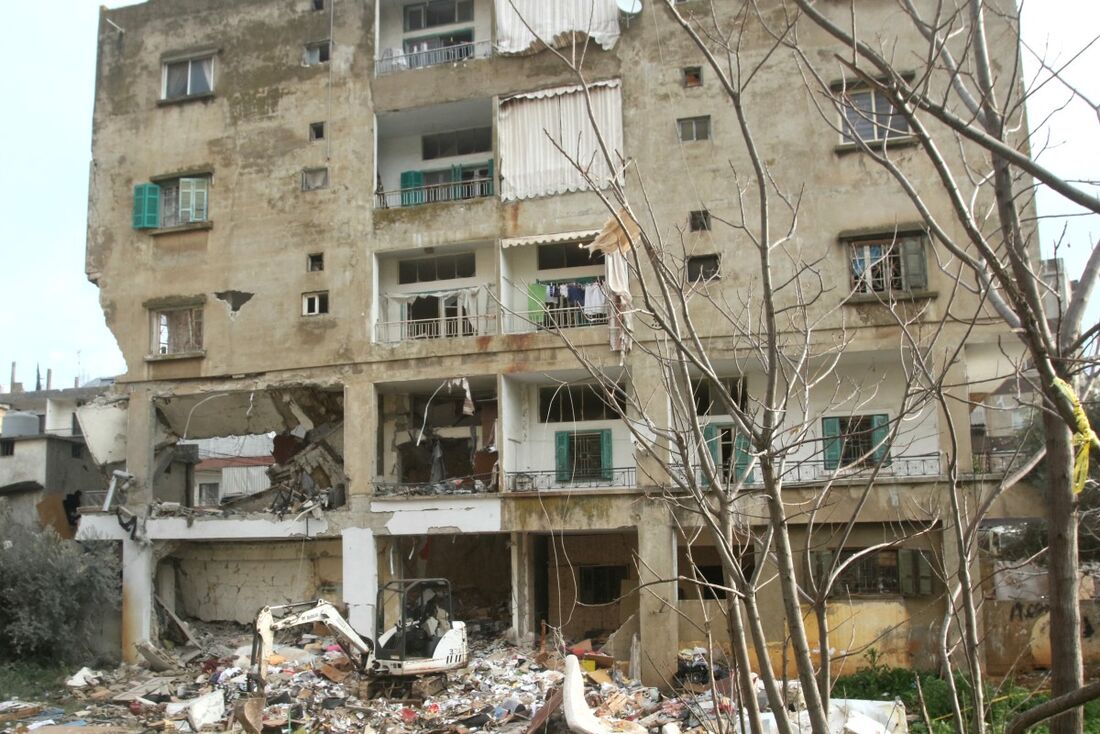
359,650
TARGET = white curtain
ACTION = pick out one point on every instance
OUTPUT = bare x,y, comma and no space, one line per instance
532,126
554,21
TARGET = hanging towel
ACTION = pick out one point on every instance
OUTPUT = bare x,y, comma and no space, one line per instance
595,303
576,295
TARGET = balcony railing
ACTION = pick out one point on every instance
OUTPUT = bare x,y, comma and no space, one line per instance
537,481
391,62
552,319
432,193
814,471
997,462
392,332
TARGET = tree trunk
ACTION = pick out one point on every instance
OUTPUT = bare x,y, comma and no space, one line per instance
1065,610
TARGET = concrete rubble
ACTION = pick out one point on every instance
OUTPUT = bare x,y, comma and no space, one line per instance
312,687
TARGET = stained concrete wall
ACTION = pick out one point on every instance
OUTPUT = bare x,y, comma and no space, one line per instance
565,557
232,581
1018,635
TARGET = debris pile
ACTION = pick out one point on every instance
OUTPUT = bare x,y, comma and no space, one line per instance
312,687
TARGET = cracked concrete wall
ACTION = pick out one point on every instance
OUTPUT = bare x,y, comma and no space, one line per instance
563,573
232,581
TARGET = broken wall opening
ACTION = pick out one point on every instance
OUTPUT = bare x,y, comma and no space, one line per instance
231,581
438,438
478,566
280,449
591,582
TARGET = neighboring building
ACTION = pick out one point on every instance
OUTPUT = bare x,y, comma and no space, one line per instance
46,472
231,468
343,225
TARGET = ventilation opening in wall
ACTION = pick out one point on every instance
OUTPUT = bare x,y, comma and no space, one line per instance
315,262
700,220
318,4
314,178
316,131
693,76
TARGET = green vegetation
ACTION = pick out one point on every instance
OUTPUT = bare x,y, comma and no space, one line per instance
1005,700
53,593
31,681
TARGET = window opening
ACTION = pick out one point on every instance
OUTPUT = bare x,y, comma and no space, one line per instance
315,262
315,304
7,447
887,264
600,584
705,405
702,268
456,142
178,330
316,131
567,255
188,78
694,128
314,178
869,116
318,53
571,403
853,440
419,16
693,76
440,267
699,220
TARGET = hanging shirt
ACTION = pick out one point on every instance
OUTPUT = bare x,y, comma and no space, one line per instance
595,303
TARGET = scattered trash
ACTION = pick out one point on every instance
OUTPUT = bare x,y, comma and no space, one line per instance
84,677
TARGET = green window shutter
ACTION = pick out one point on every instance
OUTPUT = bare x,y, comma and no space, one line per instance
821,561
489,186
907,572
456,179
561,450
536,302
880,429
830,428
914,263
741,450
924,573
146,213
606,464
411,191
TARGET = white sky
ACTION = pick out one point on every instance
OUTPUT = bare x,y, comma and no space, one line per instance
51,315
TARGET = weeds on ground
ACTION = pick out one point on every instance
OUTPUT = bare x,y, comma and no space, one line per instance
31,681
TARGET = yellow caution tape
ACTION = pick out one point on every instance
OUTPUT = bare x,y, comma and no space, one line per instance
1082,437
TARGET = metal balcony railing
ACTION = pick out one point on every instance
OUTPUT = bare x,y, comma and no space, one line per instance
552,319
537,481
997,462
393,332
430,194
391,62
482,484
815,471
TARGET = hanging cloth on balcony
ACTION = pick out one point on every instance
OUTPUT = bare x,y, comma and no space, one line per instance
554,23
473,300
615,240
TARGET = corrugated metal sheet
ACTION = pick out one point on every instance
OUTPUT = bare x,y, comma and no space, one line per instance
550,239
243,480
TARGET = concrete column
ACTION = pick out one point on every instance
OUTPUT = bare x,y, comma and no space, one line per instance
137,596
522,591
657,620
360,436
141,438
650,391
360,559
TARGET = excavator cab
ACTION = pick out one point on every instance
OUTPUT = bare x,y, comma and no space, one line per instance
417,632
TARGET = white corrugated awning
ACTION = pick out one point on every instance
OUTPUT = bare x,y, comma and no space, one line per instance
550,239
558,91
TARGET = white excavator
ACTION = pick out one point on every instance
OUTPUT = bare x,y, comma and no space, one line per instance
419,635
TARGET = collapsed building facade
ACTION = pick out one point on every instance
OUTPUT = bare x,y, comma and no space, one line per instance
341,225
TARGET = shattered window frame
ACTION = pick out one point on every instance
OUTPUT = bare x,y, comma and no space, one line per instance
168,323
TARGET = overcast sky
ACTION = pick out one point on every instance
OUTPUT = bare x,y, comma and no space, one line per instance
50,313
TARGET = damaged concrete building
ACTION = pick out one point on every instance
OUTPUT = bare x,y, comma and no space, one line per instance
340,225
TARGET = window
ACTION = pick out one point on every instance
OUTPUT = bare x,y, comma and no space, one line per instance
571,403
701,268
708,578
177,330
316,131
729,449
209,494
693,76
438,12
188,78
567,255
7,447
317,53
869,116
468,181
441,267
456,142
851,440
694,128
600,584
77,451
889,571
887,264
583,456
76,429
699,220
315,304
314,178
705,404
315,262
318,4
171,202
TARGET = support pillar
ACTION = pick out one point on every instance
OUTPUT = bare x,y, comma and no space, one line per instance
360,440
657,619
360,563
522,591
141,439
137,596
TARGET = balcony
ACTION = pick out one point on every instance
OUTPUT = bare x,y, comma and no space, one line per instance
553,319
435,154
473,188
925,466
538,481
392,62
446,327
